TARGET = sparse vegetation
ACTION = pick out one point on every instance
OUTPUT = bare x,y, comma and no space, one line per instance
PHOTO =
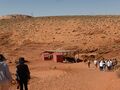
82,31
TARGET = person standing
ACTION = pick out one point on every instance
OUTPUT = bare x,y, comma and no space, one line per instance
101,65
23,74
96,63
5,75
89,63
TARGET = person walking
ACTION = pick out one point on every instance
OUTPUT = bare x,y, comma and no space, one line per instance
96,63
89,63
101,65
5,75
23,74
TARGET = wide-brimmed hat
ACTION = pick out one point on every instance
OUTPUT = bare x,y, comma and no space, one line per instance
2,58
21,60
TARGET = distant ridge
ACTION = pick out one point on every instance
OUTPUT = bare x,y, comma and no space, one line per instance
15,16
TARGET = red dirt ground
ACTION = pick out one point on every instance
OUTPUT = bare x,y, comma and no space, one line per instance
29,36
60,76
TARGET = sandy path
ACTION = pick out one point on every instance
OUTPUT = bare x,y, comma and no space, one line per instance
71,77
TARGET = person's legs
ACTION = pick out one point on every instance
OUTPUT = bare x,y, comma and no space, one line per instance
21,85
26,85
96,65
101,68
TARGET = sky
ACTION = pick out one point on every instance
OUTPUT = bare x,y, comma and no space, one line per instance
60,7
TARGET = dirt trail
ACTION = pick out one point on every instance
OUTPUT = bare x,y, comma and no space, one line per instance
57,76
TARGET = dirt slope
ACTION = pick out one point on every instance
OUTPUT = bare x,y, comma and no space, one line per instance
29,36
99,34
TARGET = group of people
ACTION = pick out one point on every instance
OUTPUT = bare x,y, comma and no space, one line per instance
104,64
22,74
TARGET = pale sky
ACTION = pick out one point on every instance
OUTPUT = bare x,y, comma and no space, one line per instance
60,7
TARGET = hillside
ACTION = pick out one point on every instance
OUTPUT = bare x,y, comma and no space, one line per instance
30,36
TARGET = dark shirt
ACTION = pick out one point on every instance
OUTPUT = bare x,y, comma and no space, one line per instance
22,72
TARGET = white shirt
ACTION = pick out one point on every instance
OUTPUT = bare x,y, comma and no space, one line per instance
101,64
95,61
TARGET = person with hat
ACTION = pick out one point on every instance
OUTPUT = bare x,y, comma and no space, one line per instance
22,73
5,75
